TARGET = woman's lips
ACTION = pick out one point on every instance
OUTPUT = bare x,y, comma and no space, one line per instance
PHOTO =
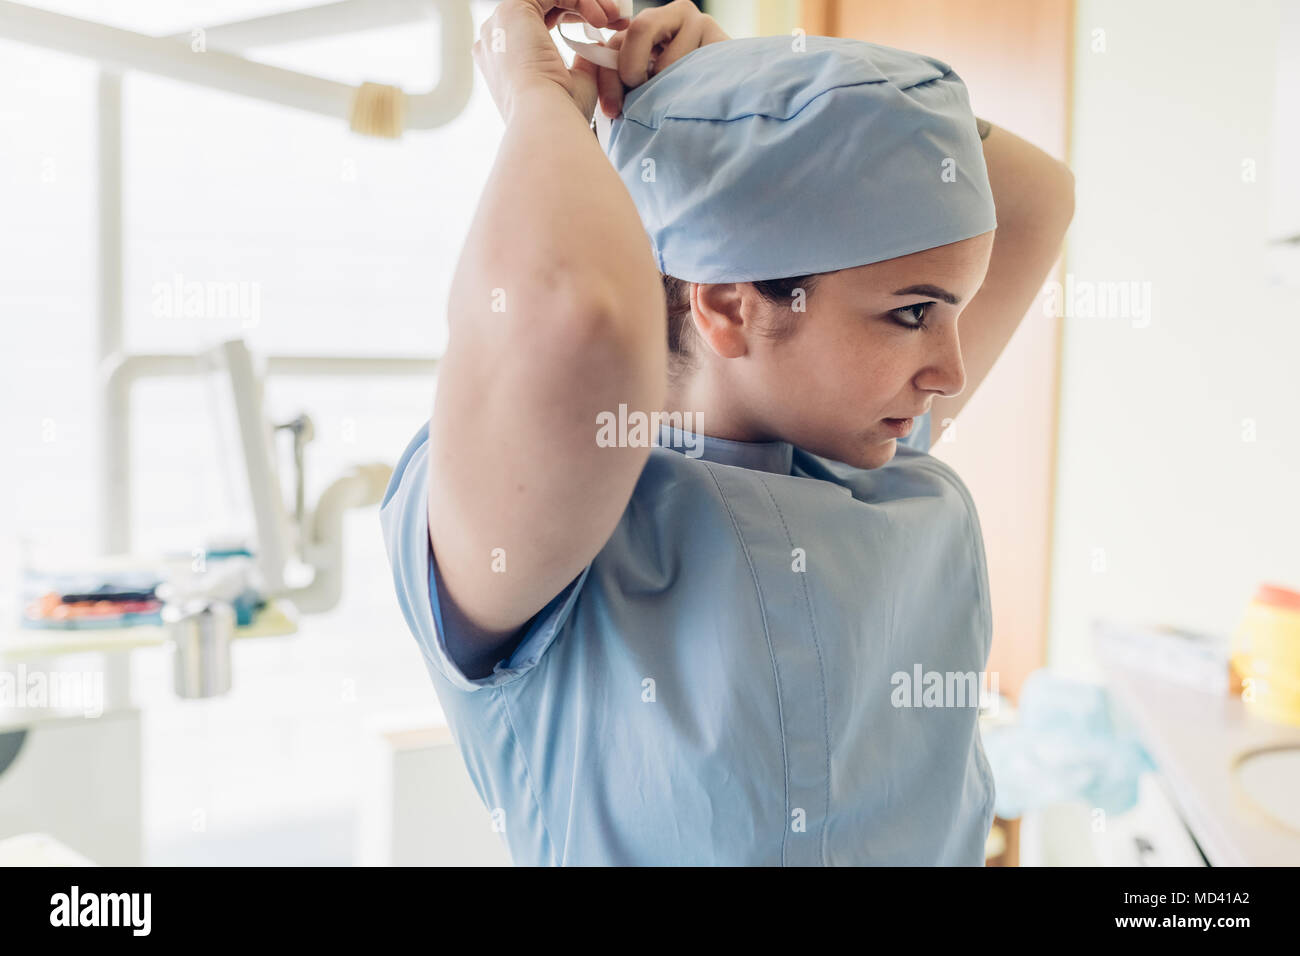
900,427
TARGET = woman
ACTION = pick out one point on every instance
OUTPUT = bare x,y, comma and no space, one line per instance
720,649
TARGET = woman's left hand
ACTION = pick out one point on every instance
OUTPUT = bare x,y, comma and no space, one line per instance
655,38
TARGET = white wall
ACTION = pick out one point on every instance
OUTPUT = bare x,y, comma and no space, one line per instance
1156,466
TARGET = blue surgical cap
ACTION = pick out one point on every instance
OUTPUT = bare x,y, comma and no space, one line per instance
751,159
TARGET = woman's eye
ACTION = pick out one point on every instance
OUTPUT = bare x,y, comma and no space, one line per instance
915,312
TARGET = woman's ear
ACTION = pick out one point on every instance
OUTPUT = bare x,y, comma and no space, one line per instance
719,315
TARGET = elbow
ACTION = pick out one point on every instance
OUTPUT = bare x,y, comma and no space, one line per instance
561,302
594,330
622,307
580,324
621,337
592,314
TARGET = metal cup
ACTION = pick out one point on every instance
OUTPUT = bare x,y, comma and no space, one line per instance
201,630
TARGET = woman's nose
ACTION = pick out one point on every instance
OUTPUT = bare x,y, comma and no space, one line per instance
945,374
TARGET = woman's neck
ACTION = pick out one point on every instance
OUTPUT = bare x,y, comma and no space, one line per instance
713,410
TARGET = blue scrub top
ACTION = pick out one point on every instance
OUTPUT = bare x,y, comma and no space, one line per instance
770,662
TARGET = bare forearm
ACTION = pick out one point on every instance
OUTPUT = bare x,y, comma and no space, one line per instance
1034,196
1031,189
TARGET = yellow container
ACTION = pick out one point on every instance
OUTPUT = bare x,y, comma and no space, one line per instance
1266,654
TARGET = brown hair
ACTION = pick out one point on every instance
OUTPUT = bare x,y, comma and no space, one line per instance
681,330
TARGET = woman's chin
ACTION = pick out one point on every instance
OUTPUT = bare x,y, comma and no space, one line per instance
867,455
877,455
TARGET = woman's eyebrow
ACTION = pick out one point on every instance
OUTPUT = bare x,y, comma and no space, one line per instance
930,290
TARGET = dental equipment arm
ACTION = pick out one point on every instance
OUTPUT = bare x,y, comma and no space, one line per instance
323,537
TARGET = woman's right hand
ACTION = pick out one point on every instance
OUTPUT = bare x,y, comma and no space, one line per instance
655,38
515,50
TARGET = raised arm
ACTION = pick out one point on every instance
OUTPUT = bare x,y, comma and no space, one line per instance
1034,195
556,314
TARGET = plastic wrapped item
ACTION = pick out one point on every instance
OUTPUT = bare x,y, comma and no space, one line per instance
1064,746
90,599
1174,655
128,593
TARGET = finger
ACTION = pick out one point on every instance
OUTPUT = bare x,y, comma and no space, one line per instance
609,85
589,10
583,73
687,39
713,32
551,10
564,11
612,14
594,13
609,88
647,31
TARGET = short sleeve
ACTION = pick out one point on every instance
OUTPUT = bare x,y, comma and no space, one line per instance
919,438
404,516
